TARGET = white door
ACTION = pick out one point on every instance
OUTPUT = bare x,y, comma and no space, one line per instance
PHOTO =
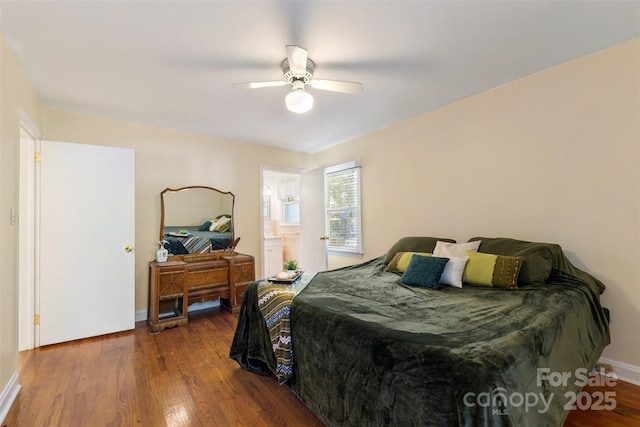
87,263
313,246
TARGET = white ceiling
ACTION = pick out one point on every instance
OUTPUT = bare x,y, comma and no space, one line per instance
171,63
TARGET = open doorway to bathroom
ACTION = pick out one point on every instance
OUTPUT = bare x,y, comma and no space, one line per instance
280,218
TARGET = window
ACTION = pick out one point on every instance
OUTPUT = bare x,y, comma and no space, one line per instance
292,213
342,209
289,194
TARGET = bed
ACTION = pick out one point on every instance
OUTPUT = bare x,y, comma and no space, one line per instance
196,241
368,350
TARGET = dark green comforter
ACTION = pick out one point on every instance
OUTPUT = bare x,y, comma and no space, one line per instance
369,351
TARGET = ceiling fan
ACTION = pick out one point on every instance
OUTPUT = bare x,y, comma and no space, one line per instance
297,70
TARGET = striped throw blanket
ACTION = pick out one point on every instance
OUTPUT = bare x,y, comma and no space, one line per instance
274,302
195,244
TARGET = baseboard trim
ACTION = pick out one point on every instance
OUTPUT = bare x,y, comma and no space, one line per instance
8,396
141,315
624,371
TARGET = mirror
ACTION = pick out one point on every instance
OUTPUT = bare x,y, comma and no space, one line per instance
196,219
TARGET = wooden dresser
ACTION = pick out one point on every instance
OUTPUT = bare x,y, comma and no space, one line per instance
184,280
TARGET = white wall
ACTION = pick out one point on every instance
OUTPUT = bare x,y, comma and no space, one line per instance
554,157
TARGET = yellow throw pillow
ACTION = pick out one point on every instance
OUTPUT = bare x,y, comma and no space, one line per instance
223,224
221,228
492,270
401,260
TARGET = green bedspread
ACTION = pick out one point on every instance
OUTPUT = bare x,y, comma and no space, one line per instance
372,352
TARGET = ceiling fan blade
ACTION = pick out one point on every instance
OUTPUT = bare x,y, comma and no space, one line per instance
258,85
353,88
297,57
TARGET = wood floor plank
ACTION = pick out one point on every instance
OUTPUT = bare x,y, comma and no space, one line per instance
184,377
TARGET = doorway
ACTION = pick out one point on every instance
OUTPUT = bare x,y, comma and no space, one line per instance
280,218
292,223
75,263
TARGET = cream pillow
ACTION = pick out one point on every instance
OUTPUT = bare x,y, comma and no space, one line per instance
452,274
454,250
221,225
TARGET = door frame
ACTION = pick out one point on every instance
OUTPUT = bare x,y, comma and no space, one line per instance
28,241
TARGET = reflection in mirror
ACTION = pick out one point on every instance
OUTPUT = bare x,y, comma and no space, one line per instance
196,219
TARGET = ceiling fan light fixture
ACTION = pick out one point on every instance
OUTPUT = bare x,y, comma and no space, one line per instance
297,71
299,101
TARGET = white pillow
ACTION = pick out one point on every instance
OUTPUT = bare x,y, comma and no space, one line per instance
452,274
214,223
454,250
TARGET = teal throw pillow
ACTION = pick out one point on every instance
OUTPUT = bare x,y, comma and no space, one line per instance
205,226
424,271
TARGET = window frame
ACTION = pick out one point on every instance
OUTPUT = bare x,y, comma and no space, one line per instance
356,252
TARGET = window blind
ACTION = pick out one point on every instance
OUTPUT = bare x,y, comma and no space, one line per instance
342,207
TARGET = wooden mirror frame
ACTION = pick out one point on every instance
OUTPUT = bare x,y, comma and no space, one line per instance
177,190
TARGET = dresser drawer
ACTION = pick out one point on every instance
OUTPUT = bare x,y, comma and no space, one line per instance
167,295
209,274
243,273
171,284
243,269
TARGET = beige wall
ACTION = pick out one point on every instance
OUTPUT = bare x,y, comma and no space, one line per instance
168,158
15,93
553,157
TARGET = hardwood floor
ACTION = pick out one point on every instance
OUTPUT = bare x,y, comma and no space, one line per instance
183,377
626,412
179,377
